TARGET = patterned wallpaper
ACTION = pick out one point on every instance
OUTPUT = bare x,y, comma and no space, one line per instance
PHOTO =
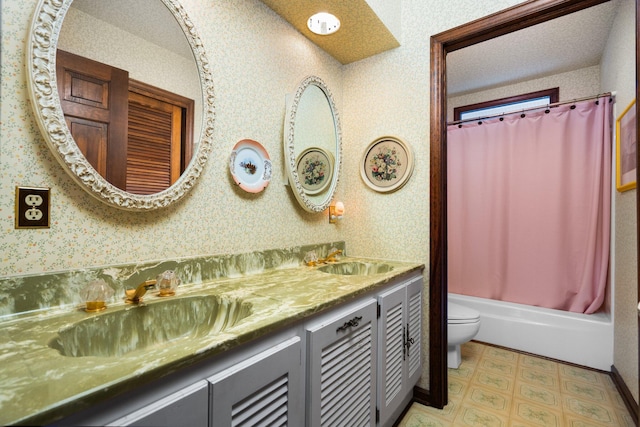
388,94
256,59
617,70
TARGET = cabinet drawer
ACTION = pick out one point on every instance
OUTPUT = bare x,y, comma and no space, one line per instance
187,407
265,389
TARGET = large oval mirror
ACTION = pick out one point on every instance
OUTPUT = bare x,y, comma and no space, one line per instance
123,96
313,145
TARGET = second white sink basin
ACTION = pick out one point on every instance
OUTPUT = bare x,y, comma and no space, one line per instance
356,268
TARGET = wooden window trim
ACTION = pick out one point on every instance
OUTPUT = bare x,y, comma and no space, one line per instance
553,94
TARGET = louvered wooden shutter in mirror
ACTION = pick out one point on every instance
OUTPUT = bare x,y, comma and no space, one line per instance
154,144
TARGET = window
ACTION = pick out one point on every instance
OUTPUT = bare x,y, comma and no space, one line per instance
507,105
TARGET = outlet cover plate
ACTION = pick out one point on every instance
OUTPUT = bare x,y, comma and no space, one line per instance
32,207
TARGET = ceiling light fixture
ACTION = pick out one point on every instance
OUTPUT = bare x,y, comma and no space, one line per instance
323,23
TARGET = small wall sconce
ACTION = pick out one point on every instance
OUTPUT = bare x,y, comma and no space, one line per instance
335,212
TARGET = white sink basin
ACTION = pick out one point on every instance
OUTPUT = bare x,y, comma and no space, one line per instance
136,327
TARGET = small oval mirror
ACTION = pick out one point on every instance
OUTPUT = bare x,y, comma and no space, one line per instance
185,160
313,145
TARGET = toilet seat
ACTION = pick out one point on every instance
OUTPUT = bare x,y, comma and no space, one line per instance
458,314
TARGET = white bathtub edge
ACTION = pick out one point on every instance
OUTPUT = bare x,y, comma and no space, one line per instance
585,340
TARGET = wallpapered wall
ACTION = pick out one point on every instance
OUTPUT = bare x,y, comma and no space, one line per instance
388,94
256,59
618,74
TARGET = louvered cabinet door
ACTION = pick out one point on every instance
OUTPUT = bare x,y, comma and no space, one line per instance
264,390
414,329
392,376
399,357
341,355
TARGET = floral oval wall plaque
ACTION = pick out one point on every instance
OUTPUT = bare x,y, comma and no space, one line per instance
315,169
387,164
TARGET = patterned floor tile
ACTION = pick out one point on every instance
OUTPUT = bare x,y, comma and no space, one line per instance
488,399
457,388
616,400
624,418
498,387
498,366
538,363
580,374
538,395
585,391
539,378
418,419
464,372
571,421
527,412
479,417
586,409
492,380
419,416
501,354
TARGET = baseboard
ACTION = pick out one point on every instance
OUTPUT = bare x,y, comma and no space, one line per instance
625,393
403,413
421,396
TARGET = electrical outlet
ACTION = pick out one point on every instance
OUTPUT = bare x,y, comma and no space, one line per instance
32,207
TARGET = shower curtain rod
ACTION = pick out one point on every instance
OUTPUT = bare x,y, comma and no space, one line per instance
555,104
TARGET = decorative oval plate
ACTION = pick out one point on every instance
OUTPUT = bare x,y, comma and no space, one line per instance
250,166
315,169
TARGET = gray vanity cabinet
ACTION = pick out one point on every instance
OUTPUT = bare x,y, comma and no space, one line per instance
353,365
341,363
187,407
399,335
265,389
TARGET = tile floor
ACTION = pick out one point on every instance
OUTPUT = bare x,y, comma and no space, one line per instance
498,387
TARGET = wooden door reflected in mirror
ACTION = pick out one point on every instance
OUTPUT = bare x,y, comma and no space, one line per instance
136,136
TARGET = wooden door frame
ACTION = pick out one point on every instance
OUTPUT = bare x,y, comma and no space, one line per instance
509,20
637,73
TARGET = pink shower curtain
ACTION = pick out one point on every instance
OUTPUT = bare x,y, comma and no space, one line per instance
529,207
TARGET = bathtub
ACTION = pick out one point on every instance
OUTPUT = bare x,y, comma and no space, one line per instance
583,339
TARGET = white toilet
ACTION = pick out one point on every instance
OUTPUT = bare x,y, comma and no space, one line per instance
462,325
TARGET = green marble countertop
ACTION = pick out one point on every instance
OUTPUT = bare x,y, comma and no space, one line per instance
39,385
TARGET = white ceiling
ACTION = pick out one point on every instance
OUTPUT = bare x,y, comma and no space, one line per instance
568,43
148,19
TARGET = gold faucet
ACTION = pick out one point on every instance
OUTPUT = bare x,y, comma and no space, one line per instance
330,258
134,296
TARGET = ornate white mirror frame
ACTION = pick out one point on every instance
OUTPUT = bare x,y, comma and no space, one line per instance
42,86
312,201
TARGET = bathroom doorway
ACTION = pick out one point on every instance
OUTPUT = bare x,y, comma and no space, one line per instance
510,20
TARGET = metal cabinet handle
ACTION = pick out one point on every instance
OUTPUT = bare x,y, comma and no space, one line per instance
408,341
351,323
